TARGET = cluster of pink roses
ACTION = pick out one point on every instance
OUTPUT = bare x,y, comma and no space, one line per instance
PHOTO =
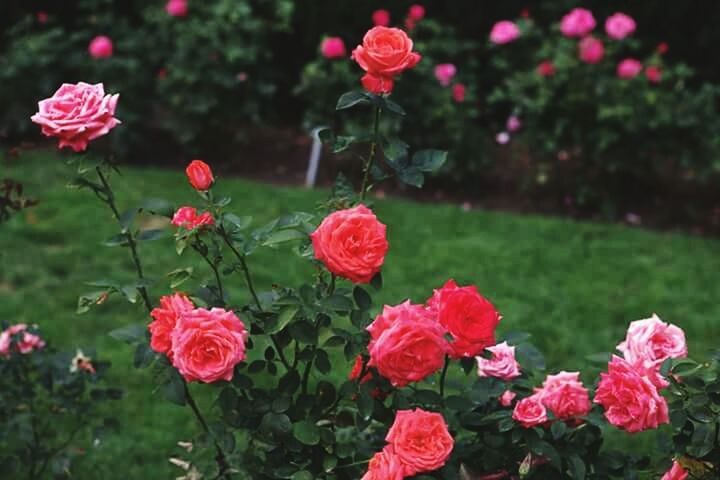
562,394
444,73
418,442
26,341
416,12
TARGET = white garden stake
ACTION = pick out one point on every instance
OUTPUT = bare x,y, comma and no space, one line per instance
314,162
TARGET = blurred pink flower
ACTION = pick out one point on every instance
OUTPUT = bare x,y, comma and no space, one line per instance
513,124
416,12
662,48
504,32
177,8
333,47
629,68
42,17
591,50
546,69
101,47
578,23
458,92
444,73
503,138
381,18
619,26
653,73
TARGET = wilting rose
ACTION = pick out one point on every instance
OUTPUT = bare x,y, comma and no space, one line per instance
77,114
188,218
530,412
101,47
629,68
630,400
504,32
501,365
177,8
565,396
591,50
578,23
164,319
199,175
381,18
384,54
458,92
421,440
619,26
207,344
385,465
507,398
26,343
444,73
546,69
333,47
676,472
653,73
351,243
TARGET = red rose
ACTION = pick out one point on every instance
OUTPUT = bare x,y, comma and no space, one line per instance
199,175
351,243
384,54
546,69
421,440
164,319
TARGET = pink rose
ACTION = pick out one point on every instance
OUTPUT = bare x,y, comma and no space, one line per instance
676,472
653,73
421,440
565,396
458,92
591,50
530,412
630,400
76,114
578,23
381,18
513,124
101,47
385,465
333,47
410,349
416,13
188,218
177,8
164,319
629,68
207,344
649,343
468,316
502,138
502,364
619,26
504,32
26,342
390,315
384,54
444,73
507,398
546,69
351,243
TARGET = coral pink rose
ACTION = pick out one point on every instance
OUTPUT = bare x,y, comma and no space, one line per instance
384,54
421,440
546,69
381,18
458,92
188,218
101,47
351,243
507,398
629,68
26,342
468,316
653,73
416,13
164,319
385,465
177,8
410,349
591,50
676,472
504,32
502,364
578,23
619,26
77,114
649,343
565,396
530,412
333,47
630,400
207,344
391,314
199,175
444,73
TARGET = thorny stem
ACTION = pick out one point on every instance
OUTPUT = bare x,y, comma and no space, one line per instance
371,156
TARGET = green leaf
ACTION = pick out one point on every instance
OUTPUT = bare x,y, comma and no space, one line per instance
338,303
302,475
157,206
529,356
127,218
411,176
350,99
394,107
429,160
377,281
342,143
144,356
362,298
548,451
282,236
558,429
179,276
322,362
150,235
174,389
89,299
306,432
130,333
234,223
282,319
576,467
116,240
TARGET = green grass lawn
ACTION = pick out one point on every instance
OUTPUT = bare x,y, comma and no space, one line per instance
574,286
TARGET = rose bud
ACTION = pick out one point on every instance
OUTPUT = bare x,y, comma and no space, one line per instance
199,175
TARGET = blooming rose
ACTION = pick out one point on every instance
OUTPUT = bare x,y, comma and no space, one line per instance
653,73
458,92
333,47
381,18
619,26
649,343
530,412
513,124
445,73
502,138
504,32
629,68
188,218
26,343
468,316
351,243
591,50
416,12
384,54
177,8
630,400
391,314
101,47
507,398
199,175
421,440
676,472
410,349
164,319
546,69
502,364
385,465
565,396
578,23
207,344
76,114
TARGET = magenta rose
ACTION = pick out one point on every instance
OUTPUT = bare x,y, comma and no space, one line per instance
565,396
333,47
501,365
444,73
619,26
177,8
458,92
578,23
504,32
629,68
101,47
507,398
591,50
77,114
530,412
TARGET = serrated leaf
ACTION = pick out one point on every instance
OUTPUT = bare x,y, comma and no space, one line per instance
411,176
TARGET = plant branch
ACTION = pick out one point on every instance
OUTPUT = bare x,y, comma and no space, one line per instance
443,375
214,268
371,156
220,458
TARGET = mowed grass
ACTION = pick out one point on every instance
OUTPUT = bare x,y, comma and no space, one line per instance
574,286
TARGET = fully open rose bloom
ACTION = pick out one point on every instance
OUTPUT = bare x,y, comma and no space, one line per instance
384,54
619,26
26,343
530,412
385,465
444,73
421,440
649,343
410,349
199,175
77,114
565,396
351,243
164,319
333,47
578,23
468,316
504,32
207,344
391,314
630,400
188,218
676,472
502,364
629,68
591,50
